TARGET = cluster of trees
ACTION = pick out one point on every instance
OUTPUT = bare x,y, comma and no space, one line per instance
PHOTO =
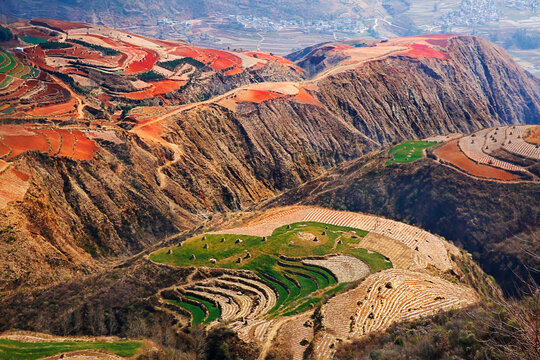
104,50
150,76
54,45
5,34
173,64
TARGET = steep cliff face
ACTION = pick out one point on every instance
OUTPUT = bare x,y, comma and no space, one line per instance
401,98
246,146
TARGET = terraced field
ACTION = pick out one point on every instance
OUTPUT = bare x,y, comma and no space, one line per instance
15,350
265,283
408,151
284,284
491,153
10,65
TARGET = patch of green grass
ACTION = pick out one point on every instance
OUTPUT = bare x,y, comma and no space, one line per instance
376,261
7,62
408,151
297,285
213,311
18,350
33,40
197,312
284,241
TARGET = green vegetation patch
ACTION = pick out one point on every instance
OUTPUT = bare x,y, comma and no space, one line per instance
274,260
290,241
408,151
376,261
5,34
150,76
19,350
54,45
213,311
7,62
102,49
197,312
33,40
173,64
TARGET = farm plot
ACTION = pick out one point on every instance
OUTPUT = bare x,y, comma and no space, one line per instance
13,349
451,154
284,285
267,285
480,144
520,144
408,151
390,296
18,139
412,237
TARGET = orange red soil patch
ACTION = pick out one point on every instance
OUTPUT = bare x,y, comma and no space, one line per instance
4,149
450,153
421,50
68,143
84,148
157,88
144,64
304,97
21,144
222,60
55,140
55,109
269,57
234,71
256,96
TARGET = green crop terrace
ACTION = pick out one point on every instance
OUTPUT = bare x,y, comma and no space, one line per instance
276,260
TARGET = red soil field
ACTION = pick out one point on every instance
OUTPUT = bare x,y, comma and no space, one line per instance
21,144
12,130
152,130
36,33
234,71
37,56
54,138
304,97
222,60
68,142
56,109
146,64
4,149
78,52
256,96
186,51
157,88
266,56
84,148
421,50
52,90
451,154
59,24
